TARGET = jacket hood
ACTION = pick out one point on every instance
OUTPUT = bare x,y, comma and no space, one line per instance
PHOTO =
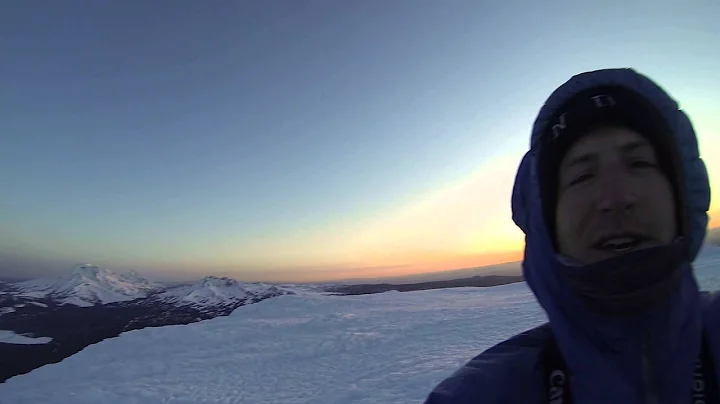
695,189
581,331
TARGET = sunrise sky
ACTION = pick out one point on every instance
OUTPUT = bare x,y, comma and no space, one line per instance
302,140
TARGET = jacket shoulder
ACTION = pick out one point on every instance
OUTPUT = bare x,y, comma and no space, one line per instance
494,375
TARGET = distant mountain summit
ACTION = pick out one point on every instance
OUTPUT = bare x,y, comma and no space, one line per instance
216,291
88,285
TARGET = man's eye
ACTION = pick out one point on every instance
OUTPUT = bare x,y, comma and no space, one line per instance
579,179
642,164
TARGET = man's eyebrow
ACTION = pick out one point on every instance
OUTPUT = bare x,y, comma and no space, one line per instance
579,159
625,148
634,145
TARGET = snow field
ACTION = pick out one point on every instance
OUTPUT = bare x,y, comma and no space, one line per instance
386,348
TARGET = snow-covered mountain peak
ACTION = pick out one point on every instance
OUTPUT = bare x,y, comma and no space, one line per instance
220,282
86,272
221,291
86,269
88,284
210,290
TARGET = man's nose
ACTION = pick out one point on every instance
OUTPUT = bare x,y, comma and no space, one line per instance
616,192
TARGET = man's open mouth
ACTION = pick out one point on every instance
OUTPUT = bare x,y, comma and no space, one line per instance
620,243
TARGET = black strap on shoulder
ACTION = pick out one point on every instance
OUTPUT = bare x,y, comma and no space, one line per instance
557,379
705,387
556,374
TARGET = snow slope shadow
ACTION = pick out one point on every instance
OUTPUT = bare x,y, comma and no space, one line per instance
73,328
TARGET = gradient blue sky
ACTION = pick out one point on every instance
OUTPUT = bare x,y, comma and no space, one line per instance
301,140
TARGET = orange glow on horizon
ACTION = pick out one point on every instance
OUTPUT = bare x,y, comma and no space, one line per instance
464,224
389,268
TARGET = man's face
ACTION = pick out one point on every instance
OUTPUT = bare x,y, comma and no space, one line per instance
612,198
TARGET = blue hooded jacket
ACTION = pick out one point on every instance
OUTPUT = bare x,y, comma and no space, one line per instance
609,358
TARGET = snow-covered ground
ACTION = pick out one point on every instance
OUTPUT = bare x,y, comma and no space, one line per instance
386,348
10,337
